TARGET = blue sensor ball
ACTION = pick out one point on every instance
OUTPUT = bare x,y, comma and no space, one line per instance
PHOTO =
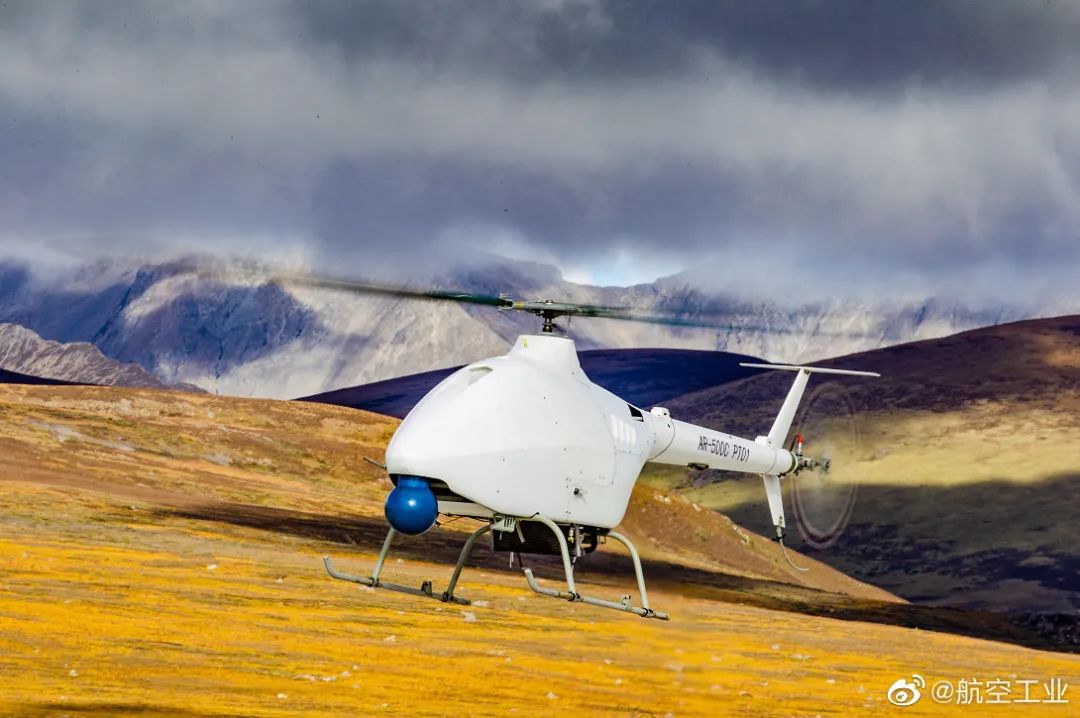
411,508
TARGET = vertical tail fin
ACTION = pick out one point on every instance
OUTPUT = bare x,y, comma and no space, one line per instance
776,501
782,425
779,431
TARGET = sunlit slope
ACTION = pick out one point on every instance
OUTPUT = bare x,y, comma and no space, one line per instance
967,458
159,554
257,463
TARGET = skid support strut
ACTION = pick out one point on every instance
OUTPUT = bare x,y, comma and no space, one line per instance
374,581
571,593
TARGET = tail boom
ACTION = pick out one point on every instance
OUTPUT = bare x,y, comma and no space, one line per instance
683,444
701,448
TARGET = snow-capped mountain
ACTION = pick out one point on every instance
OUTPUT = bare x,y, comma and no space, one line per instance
23,351
244,337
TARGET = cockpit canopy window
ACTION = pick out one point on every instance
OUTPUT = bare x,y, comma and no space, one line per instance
635,412
477,373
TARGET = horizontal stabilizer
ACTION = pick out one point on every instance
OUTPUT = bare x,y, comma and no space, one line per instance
811,369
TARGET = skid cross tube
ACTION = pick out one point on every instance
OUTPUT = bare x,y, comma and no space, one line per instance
373,580
571,594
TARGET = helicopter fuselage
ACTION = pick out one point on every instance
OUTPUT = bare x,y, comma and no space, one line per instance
528,433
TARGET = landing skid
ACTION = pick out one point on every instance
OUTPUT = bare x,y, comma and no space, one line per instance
373,580
570,594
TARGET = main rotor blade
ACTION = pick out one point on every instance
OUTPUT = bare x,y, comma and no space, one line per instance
314,281
538,307
355,287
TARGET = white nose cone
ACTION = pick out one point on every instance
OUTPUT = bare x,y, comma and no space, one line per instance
514,433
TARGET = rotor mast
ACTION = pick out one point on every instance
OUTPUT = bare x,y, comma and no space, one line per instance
548,310
549,316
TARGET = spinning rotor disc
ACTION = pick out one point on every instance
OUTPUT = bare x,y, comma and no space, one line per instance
546,309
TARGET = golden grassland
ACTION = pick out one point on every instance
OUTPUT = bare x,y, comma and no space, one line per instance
160,555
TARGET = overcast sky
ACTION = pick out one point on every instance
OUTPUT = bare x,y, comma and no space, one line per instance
798,146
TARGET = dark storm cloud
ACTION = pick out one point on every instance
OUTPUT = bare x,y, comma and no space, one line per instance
859,46
837,139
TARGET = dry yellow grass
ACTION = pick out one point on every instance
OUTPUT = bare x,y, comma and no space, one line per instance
120,592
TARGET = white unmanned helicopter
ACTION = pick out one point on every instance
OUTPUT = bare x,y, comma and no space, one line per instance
544,457
547,459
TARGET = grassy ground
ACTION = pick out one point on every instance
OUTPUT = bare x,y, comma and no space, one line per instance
159,555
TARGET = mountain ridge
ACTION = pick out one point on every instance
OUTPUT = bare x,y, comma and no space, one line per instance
23,352
240,337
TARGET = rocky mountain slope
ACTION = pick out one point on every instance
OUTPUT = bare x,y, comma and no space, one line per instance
24,352
965,458
245,338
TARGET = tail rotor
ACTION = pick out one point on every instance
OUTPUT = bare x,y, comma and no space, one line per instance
825,486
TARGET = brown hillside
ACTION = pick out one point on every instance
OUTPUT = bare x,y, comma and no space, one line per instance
967,464
159,554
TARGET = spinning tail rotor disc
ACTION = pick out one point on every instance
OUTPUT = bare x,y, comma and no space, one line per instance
823,497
